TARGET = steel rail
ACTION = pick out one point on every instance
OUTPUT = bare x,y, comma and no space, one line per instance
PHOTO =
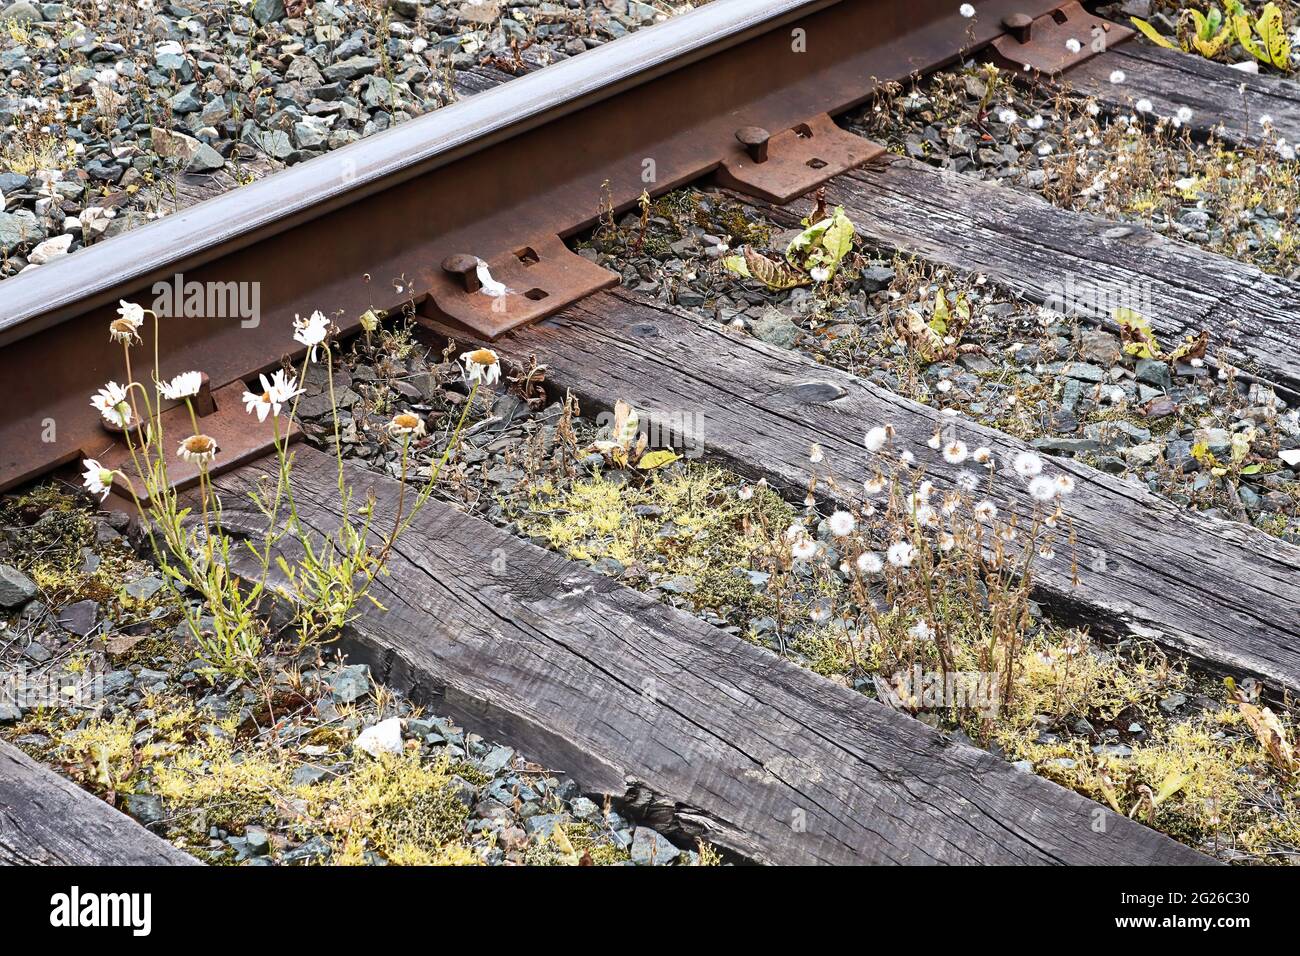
500,177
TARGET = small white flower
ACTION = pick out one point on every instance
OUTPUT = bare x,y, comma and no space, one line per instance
112,404
869,563
946,541
1007,117
1042,488
874,486
1144,106
935,441
1064,484
985,511
921,631
278,390
982,455
842,523
906,457
900,554
482,365
199,449
1184,114
98,480
1046,552
406,425
1073,45
954,453
816,455
1027,464
966,10
185,385
968,481
1118,76
803,549
311,332
876,437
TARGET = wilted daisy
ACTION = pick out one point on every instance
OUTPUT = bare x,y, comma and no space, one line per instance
1064,484
945,541
199,449
98,480
874,486
968,481
936,441
405,425
1027,464
815,454
985,511
982,455
1046,552
954,453
112,404
126,327
1042,488
869,563
481,365
276,392
311,332
842,523
900,554
876,437
184,385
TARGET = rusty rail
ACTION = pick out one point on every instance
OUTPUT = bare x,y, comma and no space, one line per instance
743,88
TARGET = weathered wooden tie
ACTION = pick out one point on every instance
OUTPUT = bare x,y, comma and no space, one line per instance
46,819
706,733
1073,260
1221,592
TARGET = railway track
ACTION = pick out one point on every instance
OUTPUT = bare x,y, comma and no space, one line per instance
734,744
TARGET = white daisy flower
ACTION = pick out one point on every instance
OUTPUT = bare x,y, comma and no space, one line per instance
98,480
199,449
277,391
126,327
406,424
112,404
842,523
184,385
311,332
900,554
1027,464
481,365
954,453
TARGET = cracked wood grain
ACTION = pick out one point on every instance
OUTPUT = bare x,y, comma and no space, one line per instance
46,820
713,736
1223,593
1021,241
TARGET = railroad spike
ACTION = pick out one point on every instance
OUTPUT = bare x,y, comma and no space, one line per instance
754,139
465,266
1021,26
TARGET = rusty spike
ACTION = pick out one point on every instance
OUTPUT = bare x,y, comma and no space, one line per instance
754,139
465,266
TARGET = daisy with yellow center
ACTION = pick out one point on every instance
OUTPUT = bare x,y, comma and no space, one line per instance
98,480
277,391
481,365
199,449
185,385
112,404
406,425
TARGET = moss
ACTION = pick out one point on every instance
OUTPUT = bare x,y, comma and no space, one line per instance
688,522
